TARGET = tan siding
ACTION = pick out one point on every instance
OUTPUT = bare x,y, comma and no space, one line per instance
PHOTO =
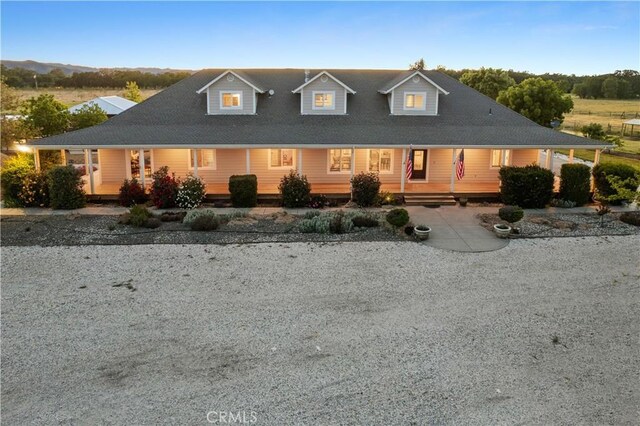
477,166
317,85
213,96
410,86
260,167
112,165
228,162
315,165
523,157
176,159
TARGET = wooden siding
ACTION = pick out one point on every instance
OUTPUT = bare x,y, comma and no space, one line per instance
222,85
112,165
420,86
317,85
228,162
523,157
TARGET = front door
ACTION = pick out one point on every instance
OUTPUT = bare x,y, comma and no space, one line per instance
419,161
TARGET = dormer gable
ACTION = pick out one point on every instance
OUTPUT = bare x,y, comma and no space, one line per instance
232,93
413,93
323,94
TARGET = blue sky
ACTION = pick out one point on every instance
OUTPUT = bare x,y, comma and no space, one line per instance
567,37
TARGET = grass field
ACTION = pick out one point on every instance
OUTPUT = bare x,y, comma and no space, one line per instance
587,154
71,97
607,112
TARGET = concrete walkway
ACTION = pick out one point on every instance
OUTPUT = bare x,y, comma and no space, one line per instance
457,228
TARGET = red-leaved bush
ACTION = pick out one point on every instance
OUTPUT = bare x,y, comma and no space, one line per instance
131,193
164,188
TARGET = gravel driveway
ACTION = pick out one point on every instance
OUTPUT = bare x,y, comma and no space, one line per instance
542,332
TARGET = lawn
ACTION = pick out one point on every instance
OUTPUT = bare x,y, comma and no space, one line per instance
75,96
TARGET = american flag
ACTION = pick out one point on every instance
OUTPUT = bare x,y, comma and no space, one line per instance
460,165
409,165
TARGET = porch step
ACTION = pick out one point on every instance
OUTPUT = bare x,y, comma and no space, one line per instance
429,200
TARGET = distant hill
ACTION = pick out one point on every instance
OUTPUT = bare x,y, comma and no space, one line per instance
45,67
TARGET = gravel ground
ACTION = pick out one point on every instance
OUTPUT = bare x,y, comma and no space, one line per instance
76,230
544,332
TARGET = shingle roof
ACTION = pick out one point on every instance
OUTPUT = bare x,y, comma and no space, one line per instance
111,105
177,117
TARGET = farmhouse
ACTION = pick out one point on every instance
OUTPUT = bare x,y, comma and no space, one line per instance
326,124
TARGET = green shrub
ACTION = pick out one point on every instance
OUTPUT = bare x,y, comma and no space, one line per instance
131,192
632,218
205,223
139,215
191,192
295,190
328,222
528,187
243,190
365,187
14,170
164,188
575,183
65,188
365,222
196,213
604,174
398,217
311,214
35,190
511,214
318,202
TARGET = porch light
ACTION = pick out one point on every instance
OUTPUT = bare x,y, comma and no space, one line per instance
24,148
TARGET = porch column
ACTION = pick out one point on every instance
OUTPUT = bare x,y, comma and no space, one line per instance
300,160
63,157
141,165
403,173
88,155
571,156
551,159
248,160
353,169
453,170
503,160
596,161
195,162
36,158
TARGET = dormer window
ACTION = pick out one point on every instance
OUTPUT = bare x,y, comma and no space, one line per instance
231,100
324,100
415,100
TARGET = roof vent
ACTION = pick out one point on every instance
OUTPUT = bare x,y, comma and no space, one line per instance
306,75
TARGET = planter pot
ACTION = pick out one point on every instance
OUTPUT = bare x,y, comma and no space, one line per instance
463,202
422,234
502,231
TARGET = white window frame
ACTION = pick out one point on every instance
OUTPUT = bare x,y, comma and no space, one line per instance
334,172
323,92
190,158
382,172
424,101
231,92
293,159
127,163
504,159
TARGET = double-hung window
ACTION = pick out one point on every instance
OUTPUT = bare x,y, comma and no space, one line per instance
380,160
206,159
324,100
231,100
339,160
281,159
497,159
415,101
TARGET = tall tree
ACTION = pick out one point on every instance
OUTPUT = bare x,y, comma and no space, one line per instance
488,81
132,92
418,65
537,99
44,116
9,98
87,116
610,88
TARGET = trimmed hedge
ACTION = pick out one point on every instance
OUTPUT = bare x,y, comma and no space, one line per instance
131,192
575,183
243,190
398,217
602,184
528,187
511,214
65,188
295,190
366,187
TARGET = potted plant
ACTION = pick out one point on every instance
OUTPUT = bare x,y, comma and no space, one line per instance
511,214
422,232
463,201
501,230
